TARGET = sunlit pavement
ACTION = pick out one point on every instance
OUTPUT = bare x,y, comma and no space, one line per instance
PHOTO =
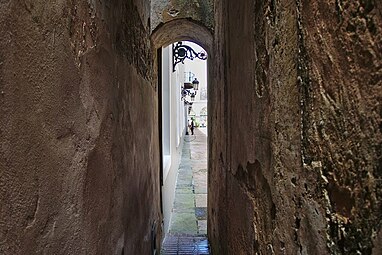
188,227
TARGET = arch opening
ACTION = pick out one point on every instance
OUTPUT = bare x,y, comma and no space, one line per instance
164,35
182,30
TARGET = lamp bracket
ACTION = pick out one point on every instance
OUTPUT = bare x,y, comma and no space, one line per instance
180,52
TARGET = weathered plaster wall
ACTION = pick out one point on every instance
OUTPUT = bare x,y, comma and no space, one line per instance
79,139
341,125
296,152
163,11
217,135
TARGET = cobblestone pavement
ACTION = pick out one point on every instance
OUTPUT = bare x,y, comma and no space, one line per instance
188,227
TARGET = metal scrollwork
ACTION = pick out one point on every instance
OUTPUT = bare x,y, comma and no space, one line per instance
181,52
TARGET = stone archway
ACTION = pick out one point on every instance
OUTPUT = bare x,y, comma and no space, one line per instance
182,30
175,31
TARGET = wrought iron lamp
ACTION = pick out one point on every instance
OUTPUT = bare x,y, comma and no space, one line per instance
188,92
190,89
195,84
180,52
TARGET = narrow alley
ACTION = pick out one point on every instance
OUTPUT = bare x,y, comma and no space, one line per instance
96,97
188,227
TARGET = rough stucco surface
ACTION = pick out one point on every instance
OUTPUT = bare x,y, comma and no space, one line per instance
78,128
342,117
201,11
296,154
217,132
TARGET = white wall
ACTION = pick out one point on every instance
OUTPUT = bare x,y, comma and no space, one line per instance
173,125
166,106
199,68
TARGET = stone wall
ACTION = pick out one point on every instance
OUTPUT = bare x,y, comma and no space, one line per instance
200,11
296,140
217,135
341,49
79,159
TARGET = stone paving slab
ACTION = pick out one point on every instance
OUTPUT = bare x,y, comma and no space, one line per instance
200,177
198,155
184,223
184,181
185,190
202,227
189,214
201,200
184,202
200,189
201,213
200,166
